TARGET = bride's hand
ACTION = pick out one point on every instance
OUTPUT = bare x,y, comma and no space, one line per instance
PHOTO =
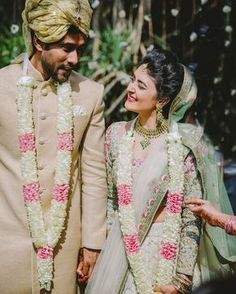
166,289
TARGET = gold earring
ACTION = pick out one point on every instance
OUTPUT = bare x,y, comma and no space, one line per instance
160,120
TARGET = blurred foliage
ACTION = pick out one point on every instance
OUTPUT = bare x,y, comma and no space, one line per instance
11,45
110,66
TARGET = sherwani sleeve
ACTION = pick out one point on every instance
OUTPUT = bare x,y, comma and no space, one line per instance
93,176
190,233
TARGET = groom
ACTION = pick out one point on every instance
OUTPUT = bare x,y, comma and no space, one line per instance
52,181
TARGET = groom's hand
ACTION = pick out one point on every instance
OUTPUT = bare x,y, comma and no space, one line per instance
87,262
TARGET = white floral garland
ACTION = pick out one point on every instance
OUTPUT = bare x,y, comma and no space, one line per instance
45,236
127,215
172,224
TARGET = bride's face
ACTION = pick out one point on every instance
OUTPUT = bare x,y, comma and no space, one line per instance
141,92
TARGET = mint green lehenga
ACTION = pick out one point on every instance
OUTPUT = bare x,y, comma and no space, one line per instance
205,252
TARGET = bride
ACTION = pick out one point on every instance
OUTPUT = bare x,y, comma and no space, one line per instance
154,163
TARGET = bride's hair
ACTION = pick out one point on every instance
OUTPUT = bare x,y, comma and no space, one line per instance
167,72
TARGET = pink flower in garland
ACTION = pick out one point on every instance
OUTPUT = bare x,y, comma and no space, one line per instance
61,192
45,252
125,194
168,250
64,141
31,192
132,244
27,142
174,202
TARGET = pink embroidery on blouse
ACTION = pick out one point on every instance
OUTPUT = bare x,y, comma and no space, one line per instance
156,190
150,202
145,213
164,178
189,165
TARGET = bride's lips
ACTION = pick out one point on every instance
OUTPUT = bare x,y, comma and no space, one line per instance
131,99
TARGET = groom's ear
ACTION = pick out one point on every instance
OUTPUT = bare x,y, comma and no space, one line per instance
38,45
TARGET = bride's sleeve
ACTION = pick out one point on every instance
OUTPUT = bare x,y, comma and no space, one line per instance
191,224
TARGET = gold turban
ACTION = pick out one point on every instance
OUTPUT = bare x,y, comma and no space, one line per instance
51,19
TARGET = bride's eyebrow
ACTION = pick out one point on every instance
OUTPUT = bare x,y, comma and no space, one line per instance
141,82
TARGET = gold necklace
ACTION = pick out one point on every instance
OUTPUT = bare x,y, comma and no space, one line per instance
149,134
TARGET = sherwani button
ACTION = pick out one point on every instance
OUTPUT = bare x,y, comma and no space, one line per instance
42,116
44,92
40,167
41,141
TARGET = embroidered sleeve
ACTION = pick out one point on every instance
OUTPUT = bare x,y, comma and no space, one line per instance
112,195
190,234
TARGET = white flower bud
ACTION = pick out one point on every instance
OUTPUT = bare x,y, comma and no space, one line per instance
226,9
174,12
122,14
95,4
228,29
14,29
92,34
193,36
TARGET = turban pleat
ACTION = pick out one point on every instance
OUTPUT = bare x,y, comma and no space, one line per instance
51,19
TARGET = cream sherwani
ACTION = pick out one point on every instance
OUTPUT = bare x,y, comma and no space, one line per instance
85,223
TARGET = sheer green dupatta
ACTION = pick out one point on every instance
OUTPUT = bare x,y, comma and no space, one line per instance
217,251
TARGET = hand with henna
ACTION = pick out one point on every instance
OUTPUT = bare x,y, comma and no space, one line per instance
88,258
211,215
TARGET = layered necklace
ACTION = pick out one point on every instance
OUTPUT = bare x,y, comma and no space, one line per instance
45,235
149,134
172,224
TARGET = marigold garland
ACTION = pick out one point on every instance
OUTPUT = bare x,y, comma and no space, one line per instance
45,236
